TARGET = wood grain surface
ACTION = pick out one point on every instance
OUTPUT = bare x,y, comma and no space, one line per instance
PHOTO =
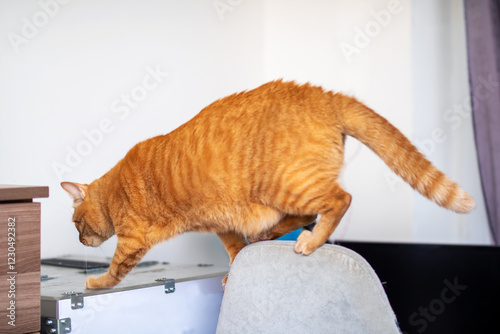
25,272
20,193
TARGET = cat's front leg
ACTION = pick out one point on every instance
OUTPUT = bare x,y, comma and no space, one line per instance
233,242
129,252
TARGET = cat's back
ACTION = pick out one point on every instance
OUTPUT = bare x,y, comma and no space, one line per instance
275,109
264,128
271,101
273,119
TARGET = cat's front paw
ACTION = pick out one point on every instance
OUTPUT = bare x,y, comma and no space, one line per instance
306,244
102,282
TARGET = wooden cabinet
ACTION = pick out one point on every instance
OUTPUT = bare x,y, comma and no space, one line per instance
20,258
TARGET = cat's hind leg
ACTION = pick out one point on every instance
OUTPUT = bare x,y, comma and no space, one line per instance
332,207
287,224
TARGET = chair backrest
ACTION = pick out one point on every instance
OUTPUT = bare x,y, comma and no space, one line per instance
271,289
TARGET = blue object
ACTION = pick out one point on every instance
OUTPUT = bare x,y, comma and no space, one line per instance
291,236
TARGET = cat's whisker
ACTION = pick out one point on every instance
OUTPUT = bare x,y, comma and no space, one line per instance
100,251
69,209
86,258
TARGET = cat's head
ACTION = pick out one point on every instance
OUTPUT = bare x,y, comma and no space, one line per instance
89,218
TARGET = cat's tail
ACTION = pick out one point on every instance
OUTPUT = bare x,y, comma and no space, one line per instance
400,154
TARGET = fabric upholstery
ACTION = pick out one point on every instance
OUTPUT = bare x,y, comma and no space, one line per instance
271,289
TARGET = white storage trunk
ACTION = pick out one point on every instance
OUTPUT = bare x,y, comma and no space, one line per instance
156,298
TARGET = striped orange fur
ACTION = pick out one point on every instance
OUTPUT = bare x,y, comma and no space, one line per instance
251,166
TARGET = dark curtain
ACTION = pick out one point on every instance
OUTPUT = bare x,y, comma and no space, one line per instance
483,44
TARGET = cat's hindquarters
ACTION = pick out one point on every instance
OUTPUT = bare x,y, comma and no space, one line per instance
400,154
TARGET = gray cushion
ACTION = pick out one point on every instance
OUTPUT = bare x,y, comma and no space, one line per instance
271,289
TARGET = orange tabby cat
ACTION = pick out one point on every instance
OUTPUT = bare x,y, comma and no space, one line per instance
254,165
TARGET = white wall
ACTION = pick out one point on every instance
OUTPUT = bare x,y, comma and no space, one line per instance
442,119
342,46
76,76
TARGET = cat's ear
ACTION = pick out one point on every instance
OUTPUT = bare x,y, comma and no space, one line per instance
76,190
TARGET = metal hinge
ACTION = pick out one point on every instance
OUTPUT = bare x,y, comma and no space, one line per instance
76,299
44,278
56,326
168,283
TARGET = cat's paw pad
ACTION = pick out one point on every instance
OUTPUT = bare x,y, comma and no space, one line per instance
92,282
305,243
102,282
